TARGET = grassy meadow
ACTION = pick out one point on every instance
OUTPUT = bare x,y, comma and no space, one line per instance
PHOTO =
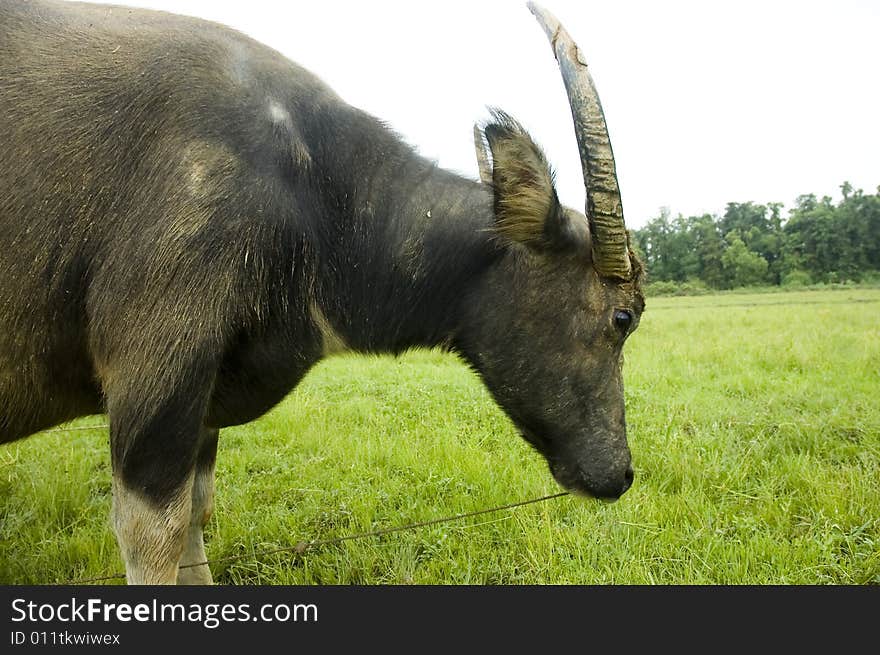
754,424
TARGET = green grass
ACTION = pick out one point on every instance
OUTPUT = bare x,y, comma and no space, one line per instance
754,425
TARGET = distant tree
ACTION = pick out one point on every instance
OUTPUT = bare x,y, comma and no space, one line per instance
683,256
831,242
653,241
709,249
771,244
871,229
747,218
760,228
742,267
858,222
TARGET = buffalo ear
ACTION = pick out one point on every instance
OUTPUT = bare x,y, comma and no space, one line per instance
527,209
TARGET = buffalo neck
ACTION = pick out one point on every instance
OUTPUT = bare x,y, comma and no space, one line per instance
400,241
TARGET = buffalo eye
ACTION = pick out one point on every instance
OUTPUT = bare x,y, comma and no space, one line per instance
623,320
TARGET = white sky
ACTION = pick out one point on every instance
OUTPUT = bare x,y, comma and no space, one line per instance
707,102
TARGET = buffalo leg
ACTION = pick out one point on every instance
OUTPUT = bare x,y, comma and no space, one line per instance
202,506
155,435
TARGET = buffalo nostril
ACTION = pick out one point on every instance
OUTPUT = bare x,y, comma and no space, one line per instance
627,479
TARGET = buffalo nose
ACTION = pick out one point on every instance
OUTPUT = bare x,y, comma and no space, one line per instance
614,487
627,480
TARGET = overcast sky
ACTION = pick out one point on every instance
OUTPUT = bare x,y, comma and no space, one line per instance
707,102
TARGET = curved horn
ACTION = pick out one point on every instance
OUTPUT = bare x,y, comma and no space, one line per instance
482,157
604,207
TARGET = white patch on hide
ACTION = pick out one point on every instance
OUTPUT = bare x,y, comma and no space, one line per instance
151,538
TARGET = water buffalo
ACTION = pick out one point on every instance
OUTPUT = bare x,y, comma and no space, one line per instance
189,222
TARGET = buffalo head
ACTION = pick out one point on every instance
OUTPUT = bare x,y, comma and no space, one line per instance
548,323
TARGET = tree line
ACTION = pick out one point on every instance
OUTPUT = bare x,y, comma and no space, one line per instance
753,245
